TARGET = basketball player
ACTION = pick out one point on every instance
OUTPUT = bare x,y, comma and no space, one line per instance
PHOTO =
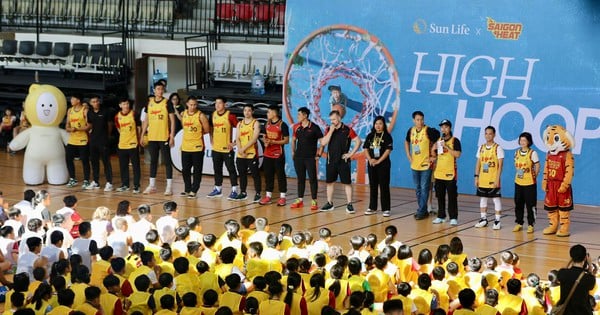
159,121
127,123
488,170
276,135
248,131
447,150
195,125
101,127
77,127
222,148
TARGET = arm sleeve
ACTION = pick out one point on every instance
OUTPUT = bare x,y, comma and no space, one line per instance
116,121
535,157
389,142
118,307
170,108
500,152
407,139
294,127
285,130
457,146
433,134
367,142
319,132
93,248
352,133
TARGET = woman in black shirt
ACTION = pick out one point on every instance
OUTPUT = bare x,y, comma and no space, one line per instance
378,146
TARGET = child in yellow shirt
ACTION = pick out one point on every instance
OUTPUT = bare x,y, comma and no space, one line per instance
209,302
190,304
167,305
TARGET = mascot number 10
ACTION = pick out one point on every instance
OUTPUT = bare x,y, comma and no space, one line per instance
558,175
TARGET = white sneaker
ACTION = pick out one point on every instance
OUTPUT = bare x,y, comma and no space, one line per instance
168,191
149,190
90,186
108,187
497,225
482,223
453,222
438,221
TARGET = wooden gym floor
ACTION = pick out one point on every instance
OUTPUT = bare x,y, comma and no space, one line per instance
538,253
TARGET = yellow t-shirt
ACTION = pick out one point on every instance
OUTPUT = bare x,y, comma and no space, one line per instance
128,138
246,134
107,302
78,120
192,132
158,120
79,290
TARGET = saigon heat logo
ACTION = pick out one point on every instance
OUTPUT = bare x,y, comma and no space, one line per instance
504,30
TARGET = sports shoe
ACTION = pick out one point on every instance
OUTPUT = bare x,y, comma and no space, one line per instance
123,188
265,200
93,185
387,213
136,190
191,195
242,196
530,229
108,187
86,185
215,193
438,221
168,191
281,202
518,228
72,183
370,212
256,198
482,223
183,193
497,225
149,190
453,222
232,196
421,216
314,205
350,208
327,207
298,203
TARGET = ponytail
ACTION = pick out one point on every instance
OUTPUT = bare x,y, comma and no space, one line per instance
293,282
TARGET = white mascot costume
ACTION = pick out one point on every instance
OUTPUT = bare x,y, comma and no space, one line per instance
45,108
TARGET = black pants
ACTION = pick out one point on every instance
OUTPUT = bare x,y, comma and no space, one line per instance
100,151
163,146
83,151
243,165
441,187
525,196
189,160
302,166
272,166
125,156
379,179
218,159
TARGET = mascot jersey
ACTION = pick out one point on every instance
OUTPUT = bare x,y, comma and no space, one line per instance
556,166
192,132
222,129
489,162
127,130
158,120
77,120
246,134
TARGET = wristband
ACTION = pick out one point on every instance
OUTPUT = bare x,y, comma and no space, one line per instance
476,175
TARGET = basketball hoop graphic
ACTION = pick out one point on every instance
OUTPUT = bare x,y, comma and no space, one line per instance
354,56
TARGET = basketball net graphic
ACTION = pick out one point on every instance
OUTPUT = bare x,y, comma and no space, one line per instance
343,52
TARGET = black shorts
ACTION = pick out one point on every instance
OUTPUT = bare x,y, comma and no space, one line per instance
340,168
488,192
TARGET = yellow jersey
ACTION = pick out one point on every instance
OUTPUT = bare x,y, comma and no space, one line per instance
525,168
419,149
489,164
139,302
60,310
192,132
445,168
222,129
79,290
246,131
272,307
109,302
87,309
234,301
78,120
100,269
126,124
158,120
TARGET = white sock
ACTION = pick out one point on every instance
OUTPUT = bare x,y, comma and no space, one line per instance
269,194
497,217
169,182
152,181
484,215
218,188
234,188
300,198
281,195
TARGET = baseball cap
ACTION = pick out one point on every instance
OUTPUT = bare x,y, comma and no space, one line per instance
445,122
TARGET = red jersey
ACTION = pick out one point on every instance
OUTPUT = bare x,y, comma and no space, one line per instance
556,166
275,131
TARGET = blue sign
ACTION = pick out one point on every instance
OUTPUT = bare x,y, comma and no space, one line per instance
518,66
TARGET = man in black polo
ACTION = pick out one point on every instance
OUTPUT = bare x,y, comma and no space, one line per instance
99,118
305,136
338,138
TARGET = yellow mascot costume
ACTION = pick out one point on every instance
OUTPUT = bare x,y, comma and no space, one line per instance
45,108
558,175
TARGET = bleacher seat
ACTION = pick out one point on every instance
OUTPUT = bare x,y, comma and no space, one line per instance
43,50
277,66
97,55
26,50
279,16
260,61
244,12
220,63
9,50
240,64
79,54
61,52
225,12
264,13
116,55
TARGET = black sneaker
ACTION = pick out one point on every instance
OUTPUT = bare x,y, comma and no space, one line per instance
241,196
350,208
257,198
327,207
421,216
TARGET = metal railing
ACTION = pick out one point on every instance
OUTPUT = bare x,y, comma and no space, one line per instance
198,50
247,20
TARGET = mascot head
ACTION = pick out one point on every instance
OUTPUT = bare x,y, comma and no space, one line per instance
45,105
558,139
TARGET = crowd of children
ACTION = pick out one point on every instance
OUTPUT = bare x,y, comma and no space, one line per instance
120,265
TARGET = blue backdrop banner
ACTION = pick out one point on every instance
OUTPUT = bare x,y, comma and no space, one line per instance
518,66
